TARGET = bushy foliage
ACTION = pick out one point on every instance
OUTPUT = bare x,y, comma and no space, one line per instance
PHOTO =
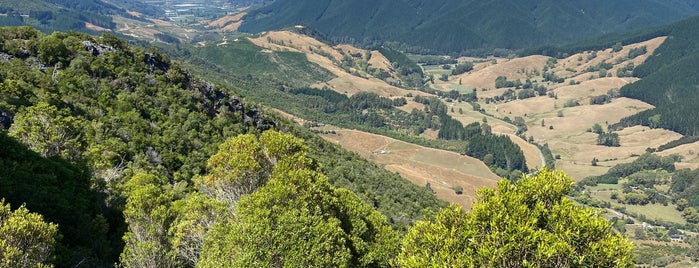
462,68
26,240
529,223
610,139
62,193
61,15
505,153
299,219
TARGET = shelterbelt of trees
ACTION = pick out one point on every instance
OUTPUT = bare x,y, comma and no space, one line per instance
115,154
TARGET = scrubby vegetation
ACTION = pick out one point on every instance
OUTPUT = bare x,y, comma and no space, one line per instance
96,115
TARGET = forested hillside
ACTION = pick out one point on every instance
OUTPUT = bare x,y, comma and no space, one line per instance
97,119
670,80
64,15
459,26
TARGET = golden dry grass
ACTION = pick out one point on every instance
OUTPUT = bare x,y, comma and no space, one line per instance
484,74
161,22
379,61
294,42
226,20
580,61
323,55
689,152
532,155
134,13
421,165
96,28
568,138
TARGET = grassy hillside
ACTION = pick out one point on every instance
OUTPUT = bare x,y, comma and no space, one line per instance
668,78
456,26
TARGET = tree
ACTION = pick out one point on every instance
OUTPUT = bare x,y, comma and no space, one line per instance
243,163
52,50
48,131
597,129
195,215
529,223
462,68
148,216
25,239
298,219
610,139
617,47
681,204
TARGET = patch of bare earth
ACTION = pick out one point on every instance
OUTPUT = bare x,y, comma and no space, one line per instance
96,28
228,23
443,170
161,22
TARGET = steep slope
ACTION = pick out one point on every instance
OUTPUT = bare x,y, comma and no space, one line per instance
63,15
97,112
670,81
454,26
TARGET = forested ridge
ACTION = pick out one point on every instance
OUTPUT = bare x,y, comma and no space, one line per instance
465,26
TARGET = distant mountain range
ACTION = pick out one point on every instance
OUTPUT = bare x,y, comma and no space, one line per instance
462,25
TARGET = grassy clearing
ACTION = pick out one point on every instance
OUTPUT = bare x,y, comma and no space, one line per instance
436,70
443,170
460,88
657,254
604,187
650,211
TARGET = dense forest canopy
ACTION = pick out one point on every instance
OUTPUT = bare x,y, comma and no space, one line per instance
459,26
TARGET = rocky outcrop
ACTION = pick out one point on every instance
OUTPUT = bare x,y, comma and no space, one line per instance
5,120
96,49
